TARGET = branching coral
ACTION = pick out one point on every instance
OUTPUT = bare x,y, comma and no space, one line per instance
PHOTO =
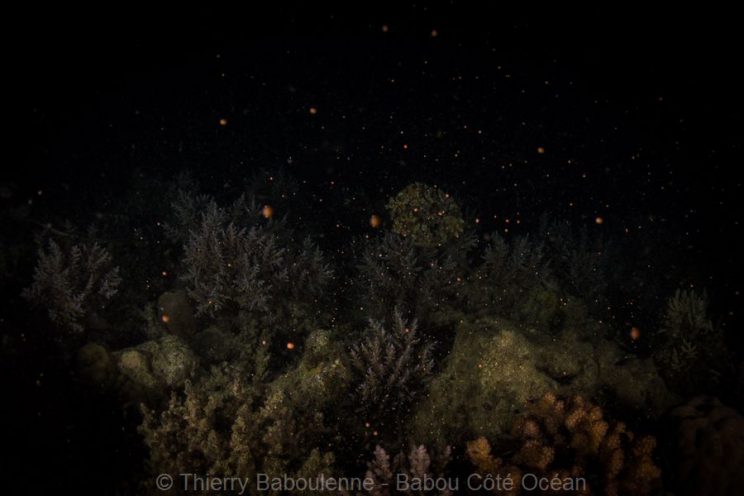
426,214
410,473
570,438
251,265
515,281
690,350
390,369
73,283
395,273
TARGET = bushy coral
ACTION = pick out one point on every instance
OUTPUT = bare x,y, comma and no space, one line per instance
251,265
222,426
232,422
690,350
570,438
579,261
73,283
426,215
419,281
390,368
515,281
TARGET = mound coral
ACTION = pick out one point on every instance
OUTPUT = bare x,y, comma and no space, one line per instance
426,214
493,370
570,438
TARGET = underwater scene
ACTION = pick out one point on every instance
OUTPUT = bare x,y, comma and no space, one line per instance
425,251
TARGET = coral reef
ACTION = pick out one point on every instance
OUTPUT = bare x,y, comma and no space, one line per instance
706,446
390,368
426,214
73,283
569,439
250,357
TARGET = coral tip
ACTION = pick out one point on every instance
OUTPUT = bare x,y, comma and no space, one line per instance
375,221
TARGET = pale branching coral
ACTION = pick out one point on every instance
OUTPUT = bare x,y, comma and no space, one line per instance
426,214
73,283
413,473
390,369
249,265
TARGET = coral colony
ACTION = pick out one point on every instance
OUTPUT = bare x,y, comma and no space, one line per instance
362,296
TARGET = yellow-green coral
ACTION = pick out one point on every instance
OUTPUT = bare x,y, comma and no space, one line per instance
426,214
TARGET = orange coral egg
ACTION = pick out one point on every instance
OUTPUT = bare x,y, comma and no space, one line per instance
267,211
165,318
635,333
375,221
290,345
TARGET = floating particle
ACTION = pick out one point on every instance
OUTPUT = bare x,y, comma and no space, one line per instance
385,28
434,33
223,122
540,150
599,220
267,211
